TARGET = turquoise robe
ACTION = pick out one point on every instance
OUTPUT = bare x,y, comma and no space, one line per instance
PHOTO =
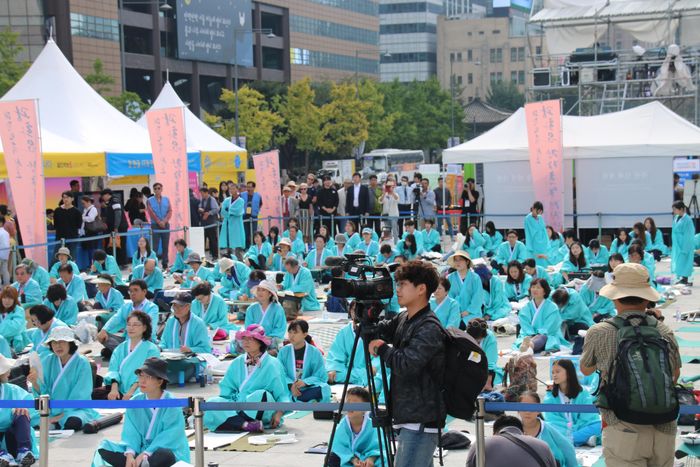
234,282
179,264
430,239
232,234
560,420
347,445
13,327
265,250
657,243
601,257
118,322
267,379
313,256
37,337
505,255
576,310
596,303
123,364
74,384
536,238
54,269
562,448
204,274
167,432
274,321
298,246
568,266
137,260
468,293
196,336
110,267
554,250
647,239
278,262
352,241
682,251
154,281
493,241
516,292
381,259
41,276
618,247
547,322
113,302
32,292
67,311
302,282
490,348
5,349
215,316
541,273
371,249
402,250
313,372
496,303
447,312
75,288
475,248
338,358
11,392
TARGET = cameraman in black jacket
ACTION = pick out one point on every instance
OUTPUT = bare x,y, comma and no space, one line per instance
415,353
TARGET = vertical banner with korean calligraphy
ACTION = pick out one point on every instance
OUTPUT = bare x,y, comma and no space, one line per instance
21,142
166,128
544,138
267,172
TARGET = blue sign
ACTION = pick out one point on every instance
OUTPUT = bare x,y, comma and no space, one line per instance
142,164
237,161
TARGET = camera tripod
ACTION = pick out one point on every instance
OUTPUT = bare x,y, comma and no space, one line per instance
381,418
693,208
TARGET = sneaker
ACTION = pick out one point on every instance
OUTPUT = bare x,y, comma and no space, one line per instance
25,458
252,427
6,459
526,344
592,441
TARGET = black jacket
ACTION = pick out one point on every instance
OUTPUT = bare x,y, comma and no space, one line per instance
417,363
114,216
363,201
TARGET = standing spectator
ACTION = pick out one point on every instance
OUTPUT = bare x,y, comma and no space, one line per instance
160,211
194,209
327,201
89,215
208,210
342,198
357,199
375,195
146,192
290,205
443,205
405,202
682,236
75,189
223,192
470,204
306,212
135,208
253,203
67,219
114,217
4,253
232,234
390,207
426,202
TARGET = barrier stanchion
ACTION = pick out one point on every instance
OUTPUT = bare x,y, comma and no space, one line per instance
480,435
114,244
198,432
44,413
600,225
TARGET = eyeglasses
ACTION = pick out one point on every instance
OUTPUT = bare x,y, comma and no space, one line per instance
138,324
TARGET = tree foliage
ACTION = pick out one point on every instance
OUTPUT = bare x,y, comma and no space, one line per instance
345,124
505,95
11,70
302,118
129,103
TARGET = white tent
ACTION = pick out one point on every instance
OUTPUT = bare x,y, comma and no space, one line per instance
199,136
650,130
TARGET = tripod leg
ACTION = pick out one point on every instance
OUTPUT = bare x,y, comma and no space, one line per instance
374,403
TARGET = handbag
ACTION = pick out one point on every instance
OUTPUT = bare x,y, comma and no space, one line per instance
97,226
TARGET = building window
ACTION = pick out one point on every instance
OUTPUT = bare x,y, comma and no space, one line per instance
538,50
521,54
459,56
316,27
481,33
496,76
496,55
407,28
409,7
94,27
366,7
521,77
272,58
496,31
514,76
470,78
469,55
300,57
317,59
409,57
513,54
469,34
459,81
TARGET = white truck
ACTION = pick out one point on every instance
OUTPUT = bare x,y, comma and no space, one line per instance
339,170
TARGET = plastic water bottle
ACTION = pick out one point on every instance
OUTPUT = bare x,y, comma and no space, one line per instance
181,379
324,315
210,375
678,313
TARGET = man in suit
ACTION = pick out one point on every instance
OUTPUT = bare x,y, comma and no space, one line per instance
357,199
290,205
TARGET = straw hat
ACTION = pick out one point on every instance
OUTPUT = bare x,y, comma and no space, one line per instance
225,264
255,331
267,285
292,184
630,280
6,364
64,251
61,333
101,280
341,238
303,185
286,188
285,241
458,253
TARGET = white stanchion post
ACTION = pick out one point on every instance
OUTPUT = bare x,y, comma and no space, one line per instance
198,433
44,413
480,435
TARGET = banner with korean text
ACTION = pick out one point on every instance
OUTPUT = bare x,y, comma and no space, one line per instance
267,171
166,128
21,141
544,138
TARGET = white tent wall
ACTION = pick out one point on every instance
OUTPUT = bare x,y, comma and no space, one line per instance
508,191
623,186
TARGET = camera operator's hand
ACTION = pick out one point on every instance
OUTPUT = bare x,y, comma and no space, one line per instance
331,377
374,346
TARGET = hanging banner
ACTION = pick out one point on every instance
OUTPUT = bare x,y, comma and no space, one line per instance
142,164
68,165
19,132
267,170
544,138
166,128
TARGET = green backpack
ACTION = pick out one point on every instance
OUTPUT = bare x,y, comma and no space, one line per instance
639,387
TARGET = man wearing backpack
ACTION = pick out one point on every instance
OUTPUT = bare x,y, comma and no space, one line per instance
415,352
639,363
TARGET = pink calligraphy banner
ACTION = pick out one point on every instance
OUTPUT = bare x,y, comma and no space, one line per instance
166,128
544,138
267,174
21,142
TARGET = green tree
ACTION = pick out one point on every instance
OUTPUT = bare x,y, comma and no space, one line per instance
11,70
505,95
345,124
379,120
302,118
129,103
98,79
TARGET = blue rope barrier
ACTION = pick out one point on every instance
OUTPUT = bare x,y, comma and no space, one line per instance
283,406
17,404
107,404
570,408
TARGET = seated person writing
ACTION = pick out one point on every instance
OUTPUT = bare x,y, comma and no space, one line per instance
62,256
540,322
268,313
210,308
75,285
151,274
303,365
182,252
234,275
259,252
62,304
44,322
27,288
195,273
13,321
102,263
108,298
17,444
298,280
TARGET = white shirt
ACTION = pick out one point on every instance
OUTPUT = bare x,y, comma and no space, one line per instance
356,195
4,244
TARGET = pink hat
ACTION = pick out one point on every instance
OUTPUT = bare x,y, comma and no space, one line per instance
256,332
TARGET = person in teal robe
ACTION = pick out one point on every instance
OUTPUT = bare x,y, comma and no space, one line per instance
259,252
62,304
158,434
574,312
137,291
510,250
317,257
540,321
536,239
298,245
431,237
474,243
533,425
106,264
575,261
66,376
268,313
636,234
303,364
285,251
182,251
493,238
27,288
234,276
479,330
408,247
555,242
657,238
185,331
143,253
63,258
44,322
16,422
75,285
620,243
445,307
355,438
682,241
298,279
210,308
352,237
409,228
517,282
599,306
151,274
39,274
232,234
368,246
13,321
108,298
5,349
254,376
338,359
465,286
387,255
196,274
496,305
596,253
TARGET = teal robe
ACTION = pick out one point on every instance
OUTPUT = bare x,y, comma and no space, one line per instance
179,264
141,433
75,288
420,245
554,250
302,282
37,337
504,253
41,276
682,251
447,312
562,448
138,260
74,384
475,245
5,349
618,247
31,290
298,246
496,303
110,267
568,266
576,310
536,238
338,358
154,281
405,252
492,241
13,327
196,336
348,445
371,249
215,315
490,348
204,275
265,250
560,420
596,303
517,291
547,322
274,321
233,283
468,293
430,239
352,241
657,243
54,269
118,322
232,234
313,371
381,259
313,256
601,257
647,239
278,261
267,379
113,302
11,392
123,363
67,311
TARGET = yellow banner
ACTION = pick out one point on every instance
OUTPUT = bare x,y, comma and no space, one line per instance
129,180
222,163
68,165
